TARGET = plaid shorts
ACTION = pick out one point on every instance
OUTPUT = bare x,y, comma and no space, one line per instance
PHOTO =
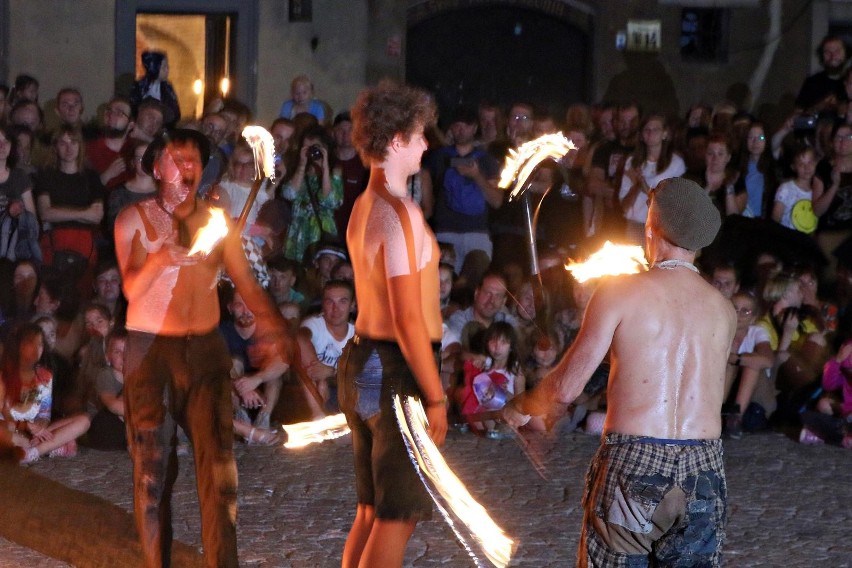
654,502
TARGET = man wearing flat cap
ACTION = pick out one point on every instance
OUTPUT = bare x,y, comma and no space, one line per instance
656,487
176,362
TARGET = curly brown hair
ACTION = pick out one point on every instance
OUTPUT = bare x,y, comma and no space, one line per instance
384,111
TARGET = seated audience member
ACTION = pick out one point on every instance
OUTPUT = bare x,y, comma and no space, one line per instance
832,205
543,357
252,371
793,206
28,387
447,280
490,385
342,270
830,420
214,127
527,307
489,302
24,142
138,187
106,406
149,121
726,279
329,332
59,366
57,300
91,358
108,291
18,306
315,188
798,342
233,191
316,277
283,273
751,358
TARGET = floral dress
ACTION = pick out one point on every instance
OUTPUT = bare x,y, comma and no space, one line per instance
304,229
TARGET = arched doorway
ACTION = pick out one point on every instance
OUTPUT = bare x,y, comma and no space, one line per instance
467,52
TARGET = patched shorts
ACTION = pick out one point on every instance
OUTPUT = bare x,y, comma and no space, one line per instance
370,372
654,502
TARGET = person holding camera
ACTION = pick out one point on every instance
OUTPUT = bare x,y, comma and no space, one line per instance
316,190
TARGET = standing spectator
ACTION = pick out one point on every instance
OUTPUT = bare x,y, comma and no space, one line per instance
155,85
25,89
465,181
149,120
302,100
110,153
316,190
823,91
352,169
71,199
652,161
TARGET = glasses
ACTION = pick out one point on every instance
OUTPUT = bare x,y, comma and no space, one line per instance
116,112
519,117
760,138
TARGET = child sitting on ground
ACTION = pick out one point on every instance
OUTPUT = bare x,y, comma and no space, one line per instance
830,422
487,389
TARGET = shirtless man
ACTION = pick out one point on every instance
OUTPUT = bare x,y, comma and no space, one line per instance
398,330
177,364
656,488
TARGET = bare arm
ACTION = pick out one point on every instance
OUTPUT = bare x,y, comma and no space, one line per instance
566,381
761,358
415,343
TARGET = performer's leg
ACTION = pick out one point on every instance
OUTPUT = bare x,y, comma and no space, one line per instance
150,432
208,417
387,543
358,535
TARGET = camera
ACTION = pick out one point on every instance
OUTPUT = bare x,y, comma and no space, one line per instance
314,152
805,122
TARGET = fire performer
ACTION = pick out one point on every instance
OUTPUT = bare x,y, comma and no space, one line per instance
177,364
656,488
398,330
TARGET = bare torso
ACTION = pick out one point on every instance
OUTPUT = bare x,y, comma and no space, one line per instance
179,299
669,353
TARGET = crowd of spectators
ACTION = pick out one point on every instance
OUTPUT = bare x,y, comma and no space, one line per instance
783,256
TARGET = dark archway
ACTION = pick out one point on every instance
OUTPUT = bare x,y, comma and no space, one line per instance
500,52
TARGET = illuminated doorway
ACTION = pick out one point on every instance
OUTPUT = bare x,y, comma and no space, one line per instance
198,47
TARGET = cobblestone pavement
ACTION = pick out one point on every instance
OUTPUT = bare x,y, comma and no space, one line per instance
789,504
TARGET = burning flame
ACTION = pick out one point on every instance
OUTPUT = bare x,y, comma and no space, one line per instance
521,163
468,519
610,260
263,146
315,431
210,234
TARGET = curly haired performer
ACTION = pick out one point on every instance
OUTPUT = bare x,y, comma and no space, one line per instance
398,330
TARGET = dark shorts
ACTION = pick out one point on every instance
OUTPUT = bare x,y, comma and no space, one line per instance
370,373
654,502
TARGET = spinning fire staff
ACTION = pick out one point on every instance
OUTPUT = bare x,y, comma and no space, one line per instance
398,329
177,365
656,488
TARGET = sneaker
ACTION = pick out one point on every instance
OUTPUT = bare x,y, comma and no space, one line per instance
31,456
66,450
808,437
734,425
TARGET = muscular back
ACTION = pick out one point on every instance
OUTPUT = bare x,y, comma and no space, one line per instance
670,345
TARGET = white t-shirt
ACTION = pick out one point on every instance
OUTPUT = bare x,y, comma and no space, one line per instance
798,207
755,335
238,195
639,211
327,347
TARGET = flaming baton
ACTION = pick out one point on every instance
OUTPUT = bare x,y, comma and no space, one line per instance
520,166
314,431
478,533
263,146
